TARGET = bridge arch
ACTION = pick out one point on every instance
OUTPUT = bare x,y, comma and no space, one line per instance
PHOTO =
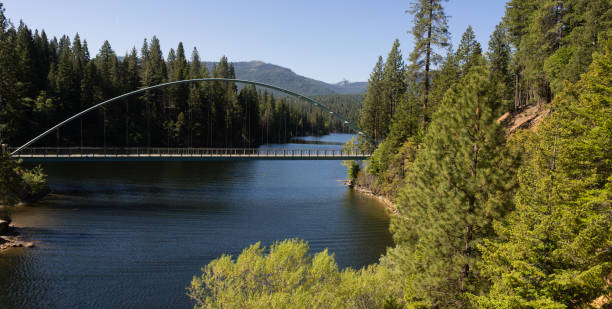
352,126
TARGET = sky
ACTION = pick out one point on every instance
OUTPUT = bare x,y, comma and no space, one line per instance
328,40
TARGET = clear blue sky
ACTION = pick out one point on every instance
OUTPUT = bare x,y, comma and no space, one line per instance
327,40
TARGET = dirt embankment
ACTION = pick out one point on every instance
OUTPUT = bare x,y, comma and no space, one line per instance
525,118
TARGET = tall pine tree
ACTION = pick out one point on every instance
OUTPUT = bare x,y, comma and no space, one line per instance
460,181
468,52
153,73
430,32
500,57
394,84
371,116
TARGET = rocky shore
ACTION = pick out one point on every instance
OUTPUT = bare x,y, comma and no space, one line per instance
9,236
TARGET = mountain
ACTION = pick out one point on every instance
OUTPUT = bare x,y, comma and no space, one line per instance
285,78
346,87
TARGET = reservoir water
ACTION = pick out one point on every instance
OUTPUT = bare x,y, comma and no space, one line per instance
125,235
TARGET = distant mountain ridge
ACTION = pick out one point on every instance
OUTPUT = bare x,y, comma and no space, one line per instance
285,78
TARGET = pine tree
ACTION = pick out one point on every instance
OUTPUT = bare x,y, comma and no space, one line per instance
108,70
517,18
460,181
372,110
4,22
88,98
79,59
394,85
181,93
468,52
27,62
109,78
195,98
583,28
42,62
9,97
170,102
131,69
445,78
430,32
554,250
248,99
153,73
499,56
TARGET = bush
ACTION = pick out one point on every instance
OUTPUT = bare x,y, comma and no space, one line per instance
35,180
285,276
18,183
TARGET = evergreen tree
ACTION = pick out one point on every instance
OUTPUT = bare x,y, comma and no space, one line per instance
372,111
109,81
554,250
181,94
469,52
79,58
394,85
88,97
26,54
445,78
430,31
108,70
583,29
9,97
249,101
554,41
153,73
41,47
170,101
460,181
195,97
43,81
499,56
131,69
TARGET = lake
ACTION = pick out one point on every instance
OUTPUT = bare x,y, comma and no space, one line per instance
133,234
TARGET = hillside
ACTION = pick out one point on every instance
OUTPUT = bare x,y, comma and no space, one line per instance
286,78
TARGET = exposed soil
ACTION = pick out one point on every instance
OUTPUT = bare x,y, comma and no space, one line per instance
526,118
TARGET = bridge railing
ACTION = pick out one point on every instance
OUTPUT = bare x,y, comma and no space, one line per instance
182,152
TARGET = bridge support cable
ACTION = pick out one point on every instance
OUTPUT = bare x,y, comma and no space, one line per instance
352,126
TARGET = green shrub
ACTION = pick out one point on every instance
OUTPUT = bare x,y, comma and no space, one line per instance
286,276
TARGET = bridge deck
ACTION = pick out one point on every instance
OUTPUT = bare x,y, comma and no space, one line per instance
182,154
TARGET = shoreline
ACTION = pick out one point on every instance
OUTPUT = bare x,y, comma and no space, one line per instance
9,234
389,205
12,239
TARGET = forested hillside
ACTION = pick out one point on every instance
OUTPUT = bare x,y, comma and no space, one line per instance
45,80
484,219
286,78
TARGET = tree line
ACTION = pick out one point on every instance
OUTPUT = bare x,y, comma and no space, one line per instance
44,81
484,219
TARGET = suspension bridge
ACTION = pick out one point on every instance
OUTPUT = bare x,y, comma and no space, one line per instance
114,154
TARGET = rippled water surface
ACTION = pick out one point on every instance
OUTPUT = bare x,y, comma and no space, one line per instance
134,234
